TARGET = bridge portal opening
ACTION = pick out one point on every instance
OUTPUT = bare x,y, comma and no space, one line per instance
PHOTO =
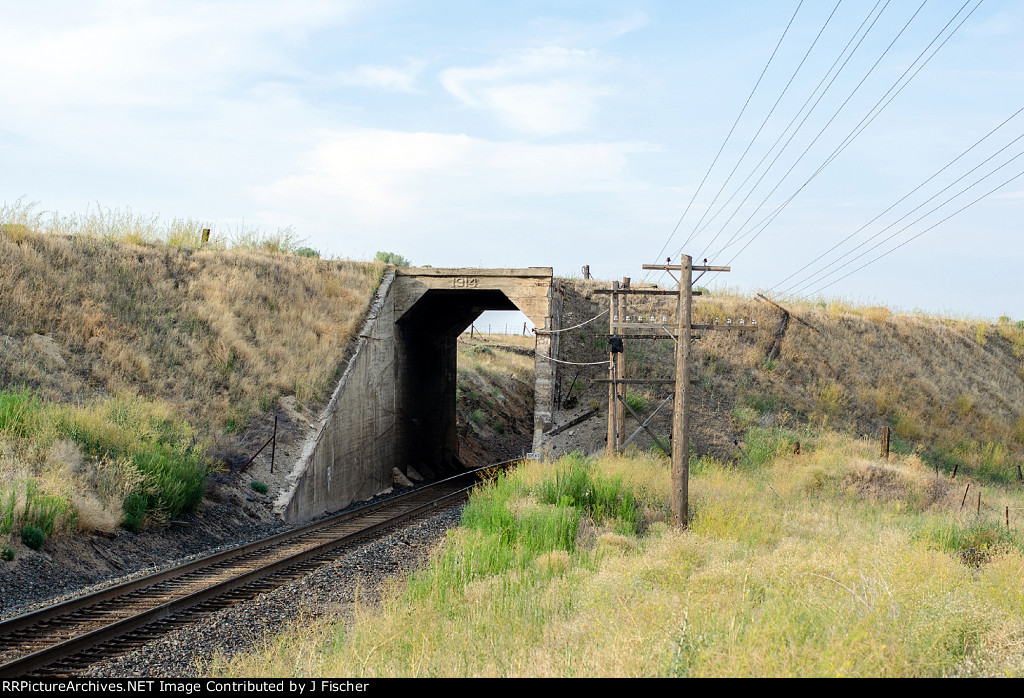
433,308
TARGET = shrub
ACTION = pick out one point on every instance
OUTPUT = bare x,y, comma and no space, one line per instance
954,537
19,412
602,498
47,512
17,231
763,445
33,537
283,241
980,332
478,416
134,507
392,258
8,501
877,315
762,403
829,397
637,401
908,428
7,553
259,486
307,252
964,404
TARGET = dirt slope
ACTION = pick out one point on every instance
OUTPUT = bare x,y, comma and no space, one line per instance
952,389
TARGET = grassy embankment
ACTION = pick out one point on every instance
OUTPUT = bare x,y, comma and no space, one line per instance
829,563
494,385
128,348
951,389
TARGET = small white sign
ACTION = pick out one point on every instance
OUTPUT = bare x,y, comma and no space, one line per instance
532,456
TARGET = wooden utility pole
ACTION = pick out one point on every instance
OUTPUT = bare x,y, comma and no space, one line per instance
620,370
613,318
681,415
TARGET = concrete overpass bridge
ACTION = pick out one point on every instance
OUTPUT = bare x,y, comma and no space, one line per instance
394,406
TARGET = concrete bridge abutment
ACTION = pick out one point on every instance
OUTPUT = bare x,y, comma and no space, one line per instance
394,406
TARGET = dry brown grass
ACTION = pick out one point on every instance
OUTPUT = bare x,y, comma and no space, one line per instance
831,563
220,334
942,383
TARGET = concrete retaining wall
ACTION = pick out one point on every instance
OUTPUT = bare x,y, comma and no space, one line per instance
352,456
394,406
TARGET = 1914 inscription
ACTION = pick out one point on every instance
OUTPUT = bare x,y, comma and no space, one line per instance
465,282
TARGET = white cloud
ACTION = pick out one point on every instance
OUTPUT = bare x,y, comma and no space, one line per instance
547,92
149,53
380,178
383,77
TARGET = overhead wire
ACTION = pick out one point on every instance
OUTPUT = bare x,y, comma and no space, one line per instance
901,200
566,329
793,120
918,220
824,128
864,123
814,277
914,237
764,122
729,135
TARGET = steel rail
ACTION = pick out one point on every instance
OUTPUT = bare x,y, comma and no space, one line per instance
120,628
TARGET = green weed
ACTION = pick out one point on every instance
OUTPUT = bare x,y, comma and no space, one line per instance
764,445
33,537
636,400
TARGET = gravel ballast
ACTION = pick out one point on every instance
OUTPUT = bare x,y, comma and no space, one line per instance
327,593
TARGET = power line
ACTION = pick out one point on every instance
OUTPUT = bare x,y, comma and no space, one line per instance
815,276
914,237
763,123
792,121
729,135
958,194
827,124
860,128
901,200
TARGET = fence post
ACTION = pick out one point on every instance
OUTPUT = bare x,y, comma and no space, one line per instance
273,445
885,443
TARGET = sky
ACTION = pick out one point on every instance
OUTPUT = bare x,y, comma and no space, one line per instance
606,133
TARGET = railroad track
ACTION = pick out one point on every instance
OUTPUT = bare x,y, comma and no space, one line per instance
69,636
